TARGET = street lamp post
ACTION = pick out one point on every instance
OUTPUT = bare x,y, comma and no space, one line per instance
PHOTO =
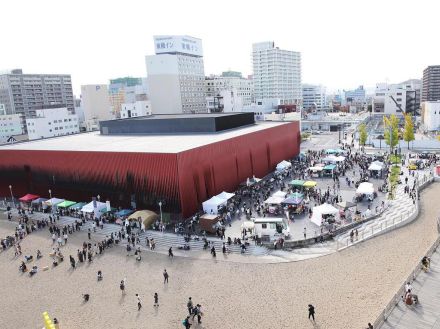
12,196
160,208
99,197
50,193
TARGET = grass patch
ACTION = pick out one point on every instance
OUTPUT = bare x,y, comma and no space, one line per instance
395,158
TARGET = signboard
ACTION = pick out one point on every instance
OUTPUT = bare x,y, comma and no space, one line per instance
164,44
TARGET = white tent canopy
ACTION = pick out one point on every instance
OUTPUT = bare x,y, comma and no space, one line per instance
274,200
375,167
365,188
52,202
279,194
88,208
330,158
211,206
225,195
324,209
283,165
316,168
340,158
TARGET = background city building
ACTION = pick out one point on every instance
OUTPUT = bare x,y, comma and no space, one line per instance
176,75
431,116
126,90
313,96
276,73
431,84
10,125
136,109
52,121
95,104
24,93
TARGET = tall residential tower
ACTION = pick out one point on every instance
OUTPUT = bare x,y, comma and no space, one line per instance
277,73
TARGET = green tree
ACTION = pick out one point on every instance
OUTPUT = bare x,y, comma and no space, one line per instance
391,132
408,132
363,134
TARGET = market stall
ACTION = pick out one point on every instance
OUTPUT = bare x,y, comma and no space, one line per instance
210,223
376,168
77,206
213,205
329,170
65,204
296,183
283,165
324,213
273,204
147,217
225,195
310,184
315,171
365,190
294,203
51,203
28,198
124,212
96,209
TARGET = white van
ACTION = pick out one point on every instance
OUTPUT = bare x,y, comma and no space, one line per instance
270,228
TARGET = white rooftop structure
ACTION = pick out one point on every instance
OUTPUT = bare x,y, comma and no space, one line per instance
94,142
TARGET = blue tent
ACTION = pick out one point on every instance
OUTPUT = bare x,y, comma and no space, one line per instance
330,167
124,212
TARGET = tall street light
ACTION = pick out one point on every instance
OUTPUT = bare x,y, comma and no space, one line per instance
160,207
12,196
50,193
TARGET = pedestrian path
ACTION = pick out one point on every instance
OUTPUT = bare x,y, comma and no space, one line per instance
163,240
399,209
426,314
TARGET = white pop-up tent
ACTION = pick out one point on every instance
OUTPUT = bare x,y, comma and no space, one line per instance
331,158
211,206
365,188
279,194
283,165
324,209
274,200
88,208
225,195
52,202
375,167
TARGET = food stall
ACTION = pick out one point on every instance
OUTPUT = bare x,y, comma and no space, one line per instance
296,183
270,228
51,203
329,170
294,203
147,218
365,189
273,204
315,171
210,223
324,213
283,165
27,199
376,169
213,205
309,184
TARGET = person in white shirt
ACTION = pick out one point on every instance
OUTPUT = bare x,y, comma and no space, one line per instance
139,302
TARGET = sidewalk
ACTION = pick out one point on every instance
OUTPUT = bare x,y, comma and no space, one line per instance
425,315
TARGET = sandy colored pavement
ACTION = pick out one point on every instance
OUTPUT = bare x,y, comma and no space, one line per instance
348,288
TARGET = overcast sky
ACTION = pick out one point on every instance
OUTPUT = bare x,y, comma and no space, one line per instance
343,43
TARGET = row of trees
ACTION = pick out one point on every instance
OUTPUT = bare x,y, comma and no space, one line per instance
391,131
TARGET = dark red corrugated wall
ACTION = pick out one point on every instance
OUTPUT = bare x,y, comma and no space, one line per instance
211,169
183,180
81,175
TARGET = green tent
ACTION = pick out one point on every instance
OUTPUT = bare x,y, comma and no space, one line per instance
66,204
78,205
296,182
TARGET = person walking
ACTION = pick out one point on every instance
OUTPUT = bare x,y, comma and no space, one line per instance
139,302
165,276
305,233
72,261
122,286
170,252
312,312
89,234
186,323
189,305
370,326
156,299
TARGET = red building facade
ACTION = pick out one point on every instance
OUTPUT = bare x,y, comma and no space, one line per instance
182,180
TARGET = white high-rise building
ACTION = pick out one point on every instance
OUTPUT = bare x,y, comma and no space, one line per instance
176,75
277,73
51,122
232,82
95,103
313,96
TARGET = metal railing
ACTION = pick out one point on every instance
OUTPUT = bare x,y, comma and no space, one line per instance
394,222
